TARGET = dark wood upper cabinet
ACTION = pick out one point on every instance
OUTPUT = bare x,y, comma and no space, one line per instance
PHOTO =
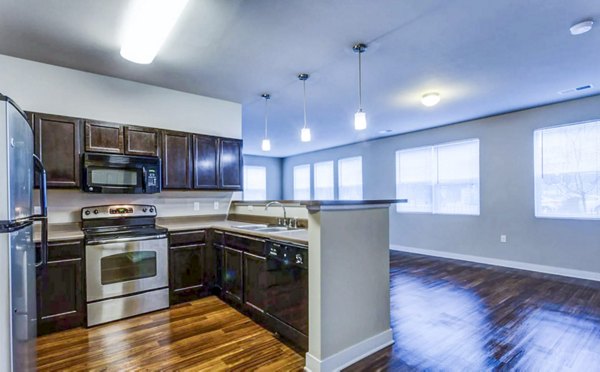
230,164
60,293
141,141
206,162
176,160
103,137
58,144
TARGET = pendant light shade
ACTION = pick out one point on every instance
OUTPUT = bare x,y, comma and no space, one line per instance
266,142
305,135
360,118
305,132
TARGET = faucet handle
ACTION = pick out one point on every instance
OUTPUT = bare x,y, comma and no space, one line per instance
293,223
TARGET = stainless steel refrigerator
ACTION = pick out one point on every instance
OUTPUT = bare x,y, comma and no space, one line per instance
18,168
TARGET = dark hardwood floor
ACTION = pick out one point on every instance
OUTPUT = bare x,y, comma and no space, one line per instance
204,335
446,316
456,316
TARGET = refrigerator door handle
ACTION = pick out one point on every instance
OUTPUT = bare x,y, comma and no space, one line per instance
43,216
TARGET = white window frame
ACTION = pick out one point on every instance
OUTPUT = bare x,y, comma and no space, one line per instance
434,180
539,166
298,168
262,169
330,165
339,183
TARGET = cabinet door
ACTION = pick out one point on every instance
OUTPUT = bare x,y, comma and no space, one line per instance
141,141
60,289
206,159
255,281
187,272
103,137
230,164
57,143
232,274
176,160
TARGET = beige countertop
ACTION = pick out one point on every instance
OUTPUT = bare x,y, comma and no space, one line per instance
59,231
220,223
72,231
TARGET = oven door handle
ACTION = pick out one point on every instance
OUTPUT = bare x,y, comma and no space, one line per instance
125,240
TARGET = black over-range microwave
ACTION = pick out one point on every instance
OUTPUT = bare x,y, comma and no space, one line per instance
120,174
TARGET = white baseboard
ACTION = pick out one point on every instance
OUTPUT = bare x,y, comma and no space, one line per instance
554,270
350,355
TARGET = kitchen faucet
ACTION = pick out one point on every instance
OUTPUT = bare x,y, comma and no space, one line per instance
285,221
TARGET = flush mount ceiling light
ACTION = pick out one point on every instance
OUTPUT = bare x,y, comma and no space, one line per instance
430,99
148,25
305,132
266,143
360,117
581,27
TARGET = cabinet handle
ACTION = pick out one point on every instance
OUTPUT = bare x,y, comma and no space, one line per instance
247,237
255,256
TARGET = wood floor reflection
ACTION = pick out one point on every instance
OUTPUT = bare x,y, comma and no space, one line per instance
204,335
456,316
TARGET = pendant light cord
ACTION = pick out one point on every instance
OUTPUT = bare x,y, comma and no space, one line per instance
359,81
304,87
266,117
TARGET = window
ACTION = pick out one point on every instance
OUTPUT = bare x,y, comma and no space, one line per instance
350,178
439,179
255,182
302,182
324,180
567,171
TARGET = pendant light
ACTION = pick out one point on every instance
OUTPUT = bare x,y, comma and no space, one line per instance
266,142
360,118
305,132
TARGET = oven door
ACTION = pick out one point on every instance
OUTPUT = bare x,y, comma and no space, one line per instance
114,179
117,268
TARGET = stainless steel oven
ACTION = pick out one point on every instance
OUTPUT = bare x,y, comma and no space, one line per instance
126,262
121,174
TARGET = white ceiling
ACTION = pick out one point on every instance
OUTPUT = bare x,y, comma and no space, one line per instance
484,57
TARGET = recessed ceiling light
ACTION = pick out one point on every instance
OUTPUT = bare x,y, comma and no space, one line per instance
581,27
430,99
148,25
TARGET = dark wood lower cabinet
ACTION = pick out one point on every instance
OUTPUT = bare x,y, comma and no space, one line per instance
233,275
255,282
60,292
187,272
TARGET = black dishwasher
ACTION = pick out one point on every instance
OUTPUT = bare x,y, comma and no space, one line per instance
287,291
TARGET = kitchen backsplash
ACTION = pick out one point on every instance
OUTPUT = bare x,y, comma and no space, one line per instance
65,205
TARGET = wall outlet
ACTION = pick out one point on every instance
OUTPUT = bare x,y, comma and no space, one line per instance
250,208
196,206
216,205
502,238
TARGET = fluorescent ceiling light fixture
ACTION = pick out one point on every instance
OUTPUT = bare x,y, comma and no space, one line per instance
305,135
430,99
581,27
148,25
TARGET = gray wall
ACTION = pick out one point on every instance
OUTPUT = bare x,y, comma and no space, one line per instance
273,165
507,191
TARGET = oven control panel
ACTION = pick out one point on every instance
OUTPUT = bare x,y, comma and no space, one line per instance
118,211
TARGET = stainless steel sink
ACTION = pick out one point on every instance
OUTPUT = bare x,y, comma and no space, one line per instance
265,228
251,227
